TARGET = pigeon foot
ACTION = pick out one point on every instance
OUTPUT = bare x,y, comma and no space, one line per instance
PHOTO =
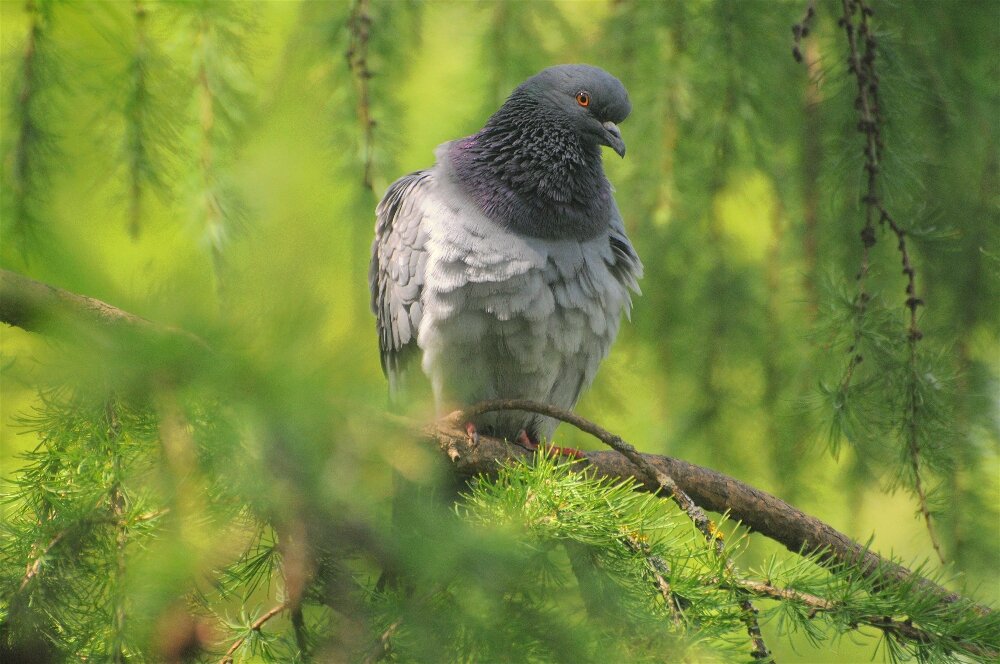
472,433
525,441
570,452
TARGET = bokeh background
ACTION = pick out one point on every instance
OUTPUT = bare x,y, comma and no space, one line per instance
216,166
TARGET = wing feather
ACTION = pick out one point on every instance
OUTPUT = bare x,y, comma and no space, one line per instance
396,272
624,261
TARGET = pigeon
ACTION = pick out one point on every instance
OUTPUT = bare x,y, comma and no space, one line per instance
505,268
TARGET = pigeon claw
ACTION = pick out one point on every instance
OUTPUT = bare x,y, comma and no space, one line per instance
525,441
565,451
472,433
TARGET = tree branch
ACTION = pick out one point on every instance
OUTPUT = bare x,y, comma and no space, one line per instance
29,304
903,629
654,476
37,307
359,29
862,48
35,566
761,512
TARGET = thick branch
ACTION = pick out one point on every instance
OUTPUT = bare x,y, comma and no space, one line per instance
759,511
37,307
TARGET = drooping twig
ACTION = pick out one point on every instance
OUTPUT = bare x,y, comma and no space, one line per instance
117,503
868,123
135,127
297,569
801,30
863,46
27,131
359,29
862,50
221,85
214,218
33,140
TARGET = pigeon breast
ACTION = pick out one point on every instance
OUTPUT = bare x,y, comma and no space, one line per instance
506,315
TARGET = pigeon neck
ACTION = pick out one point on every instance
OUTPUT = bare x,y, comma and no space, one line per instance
528,171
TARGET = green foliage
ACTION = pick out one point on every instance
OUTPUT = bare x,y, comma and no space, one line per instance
162,502
30,143
75,517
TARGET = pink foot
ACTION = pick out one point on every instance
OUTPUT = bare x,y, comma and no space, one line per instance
525,441
472,433
565,451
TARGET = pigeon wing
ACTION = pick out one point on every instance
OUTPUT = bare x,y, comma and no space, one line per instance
396,273
623,261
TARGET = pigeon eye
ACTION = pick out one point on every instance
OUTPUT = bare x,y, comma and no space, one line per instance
583,98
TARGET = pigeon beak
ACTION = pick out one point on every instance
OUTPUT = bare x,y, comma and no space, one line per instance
613,138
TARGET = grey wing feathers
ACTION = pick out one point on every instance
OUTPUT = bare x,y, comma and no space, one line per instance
396,273
624,264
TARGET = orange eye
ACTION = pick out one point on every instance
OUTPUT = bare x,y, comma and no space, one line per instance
583,98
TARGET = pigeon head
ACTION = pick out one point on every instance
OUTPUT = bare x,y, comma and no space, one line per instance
536,166
592,100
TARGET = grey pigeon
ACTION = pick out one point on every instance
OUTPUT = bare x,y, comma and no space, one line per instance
506,266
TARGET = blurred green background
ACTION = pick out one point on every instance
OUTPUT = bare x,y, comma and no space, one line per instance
204,166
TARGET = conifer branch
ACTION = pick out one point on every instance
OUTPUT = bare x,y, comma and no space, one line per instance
760,512
869,125
903,629
37,307
211,206
654,475
658,568
33,140
750,617
383,646
862,46
256,626
767,590
359,29
136,130
118,508
120,520
221,87
297,569
801,30
142,117
35,566
28,304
